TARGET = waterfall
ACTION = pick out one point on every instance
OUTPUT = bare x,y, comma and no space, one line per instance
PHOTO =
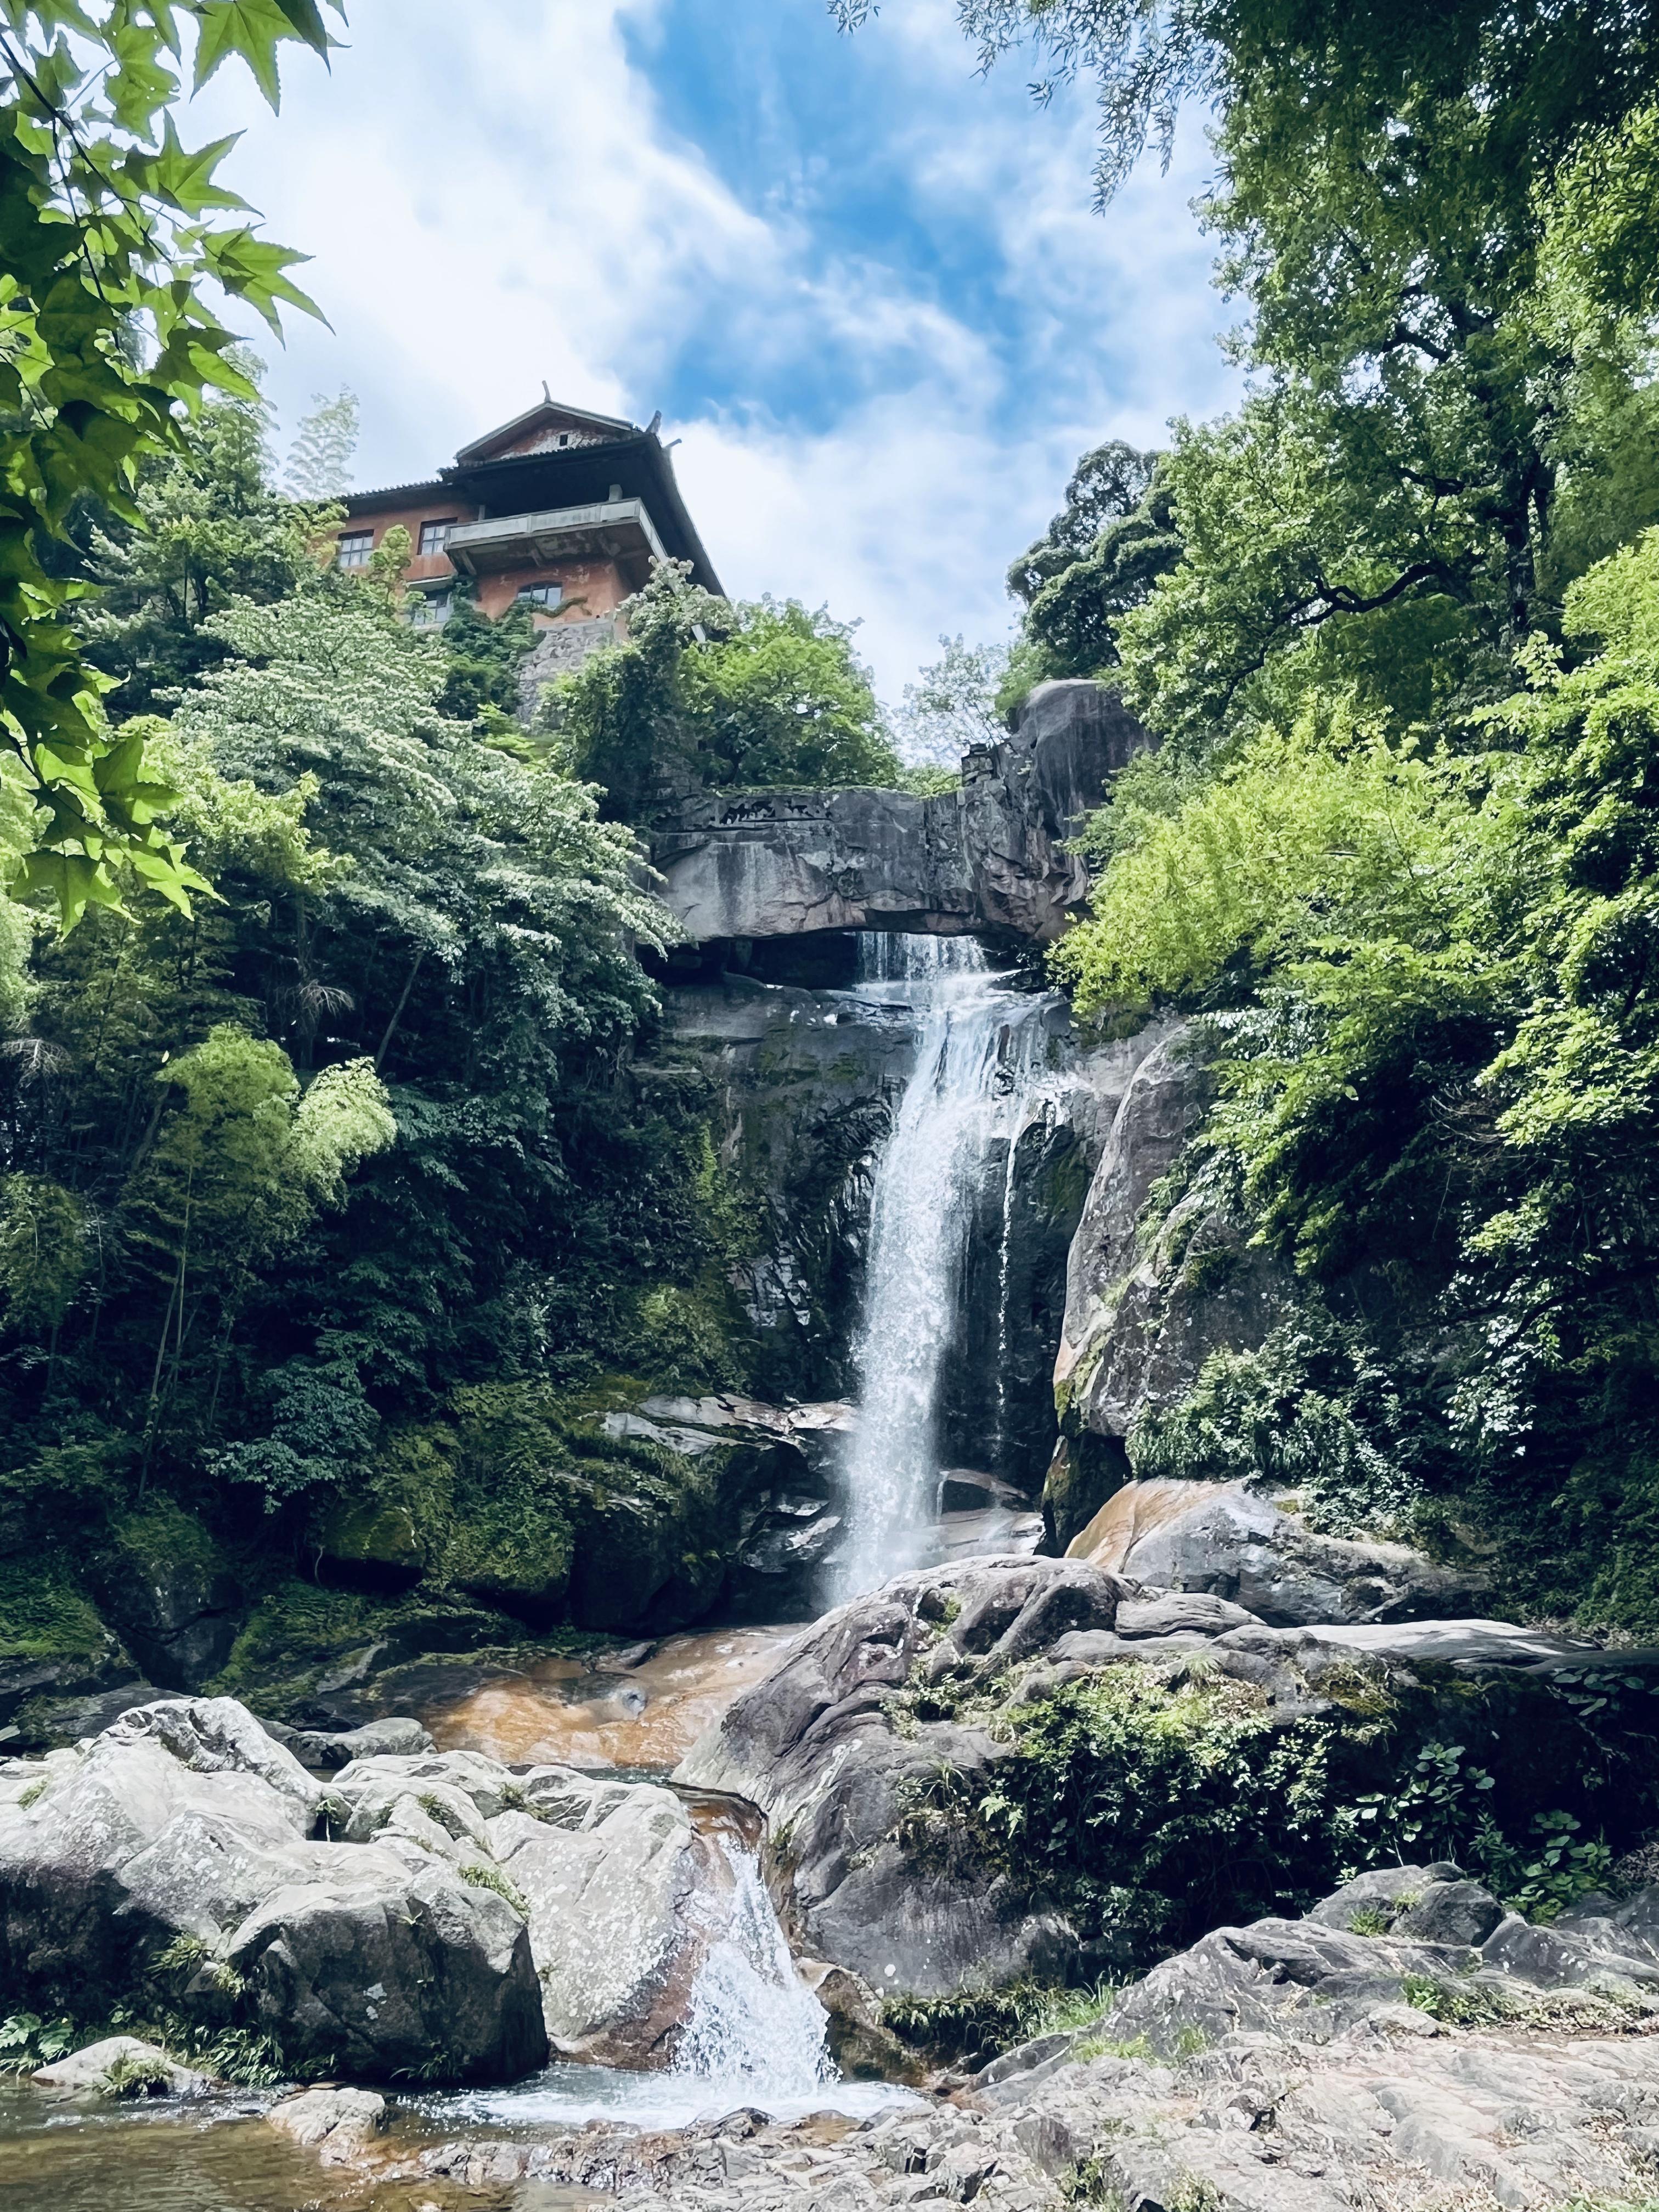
978,1051
754,2035
753,2032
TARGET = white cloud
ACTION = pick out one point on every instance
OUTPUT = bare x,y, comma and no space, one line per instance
499,199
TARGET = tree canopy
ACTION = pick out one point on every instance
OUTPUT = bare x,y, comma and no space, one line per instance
114,233
709,693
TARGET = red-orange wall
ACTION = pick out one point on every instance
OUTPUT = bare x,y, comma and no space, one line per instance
591,587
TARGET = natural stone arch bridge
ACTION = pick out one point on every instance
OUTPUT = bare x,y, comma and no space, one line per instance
991,857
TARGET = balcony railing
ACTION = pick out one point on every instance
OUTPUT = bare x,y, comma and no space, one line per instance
618,530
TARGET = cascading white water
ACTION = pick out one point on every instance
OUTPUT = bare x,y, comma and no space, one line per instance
753,2028
978,1052
754,2035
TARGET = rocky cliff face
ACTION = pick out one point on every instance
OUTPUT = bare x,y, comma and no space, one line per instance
1148,1300
881,1738
767,864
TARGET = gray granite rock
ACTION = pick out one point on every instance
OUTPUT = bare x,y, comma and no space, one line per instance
328,1749
1224,1540
122,2066
1171,1611
1142,1315
778,863
184,1826
338,2124
1379,1896
621,1894
818,1746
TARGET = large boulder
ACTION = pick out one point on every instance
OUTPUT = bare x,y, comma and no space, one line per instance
884,1728
1425,2079
1222,1538
122,2066
823,1747
179,1844
621,1894
163,1585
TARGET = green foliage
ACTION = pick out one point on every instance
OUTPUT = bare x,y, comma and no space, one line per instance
27,2042
951,706
1152,1805
490,1877
1314,841
1443,1059
319,466
1157,1812
44,1251
209,530
1549,1872
1100,556
111,226
976,2025
131,2076
708,693
482,658
1312,1410
44,1612
1439,221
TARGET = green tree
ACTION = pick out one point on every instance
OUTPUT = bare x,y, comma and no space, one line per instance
705,693
235,1172
1440,1068
111,230
319,466
209,530
1100,556
953,706
1382,510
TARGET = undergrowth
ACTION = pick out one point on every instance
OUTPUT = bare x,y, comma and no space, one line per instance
1150,1810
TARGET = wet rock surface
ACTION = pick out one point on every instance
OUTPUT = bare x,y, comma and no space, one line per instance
336,2124
1286,2067
837,1745
1142,1315
621,1895
121,2065
817,1746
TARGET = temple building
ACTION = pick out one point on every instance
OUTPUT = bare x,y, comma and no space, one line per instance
561,510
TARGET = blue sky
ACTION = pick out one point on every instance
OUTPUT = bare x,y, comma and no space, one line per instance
866,286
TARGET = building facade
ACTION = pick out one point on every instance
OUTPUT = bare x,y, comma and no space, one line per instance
559,510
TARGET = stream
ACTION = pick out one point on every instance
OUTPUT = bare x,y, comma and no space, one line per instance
755,2034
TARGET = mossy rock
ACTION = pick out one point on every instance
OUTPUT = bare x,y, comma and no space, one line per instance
375,1541
1085,1470
46,1614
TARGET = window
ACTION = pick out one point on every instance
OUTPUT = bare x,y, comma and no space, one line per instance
435,536
356,546
564,437
432,610
541,595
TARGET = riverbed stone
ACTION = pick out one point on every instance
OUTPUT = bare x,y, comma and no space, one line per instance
332,1748
621,1895
817,1746
116,2066
338,2124
1393,2112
